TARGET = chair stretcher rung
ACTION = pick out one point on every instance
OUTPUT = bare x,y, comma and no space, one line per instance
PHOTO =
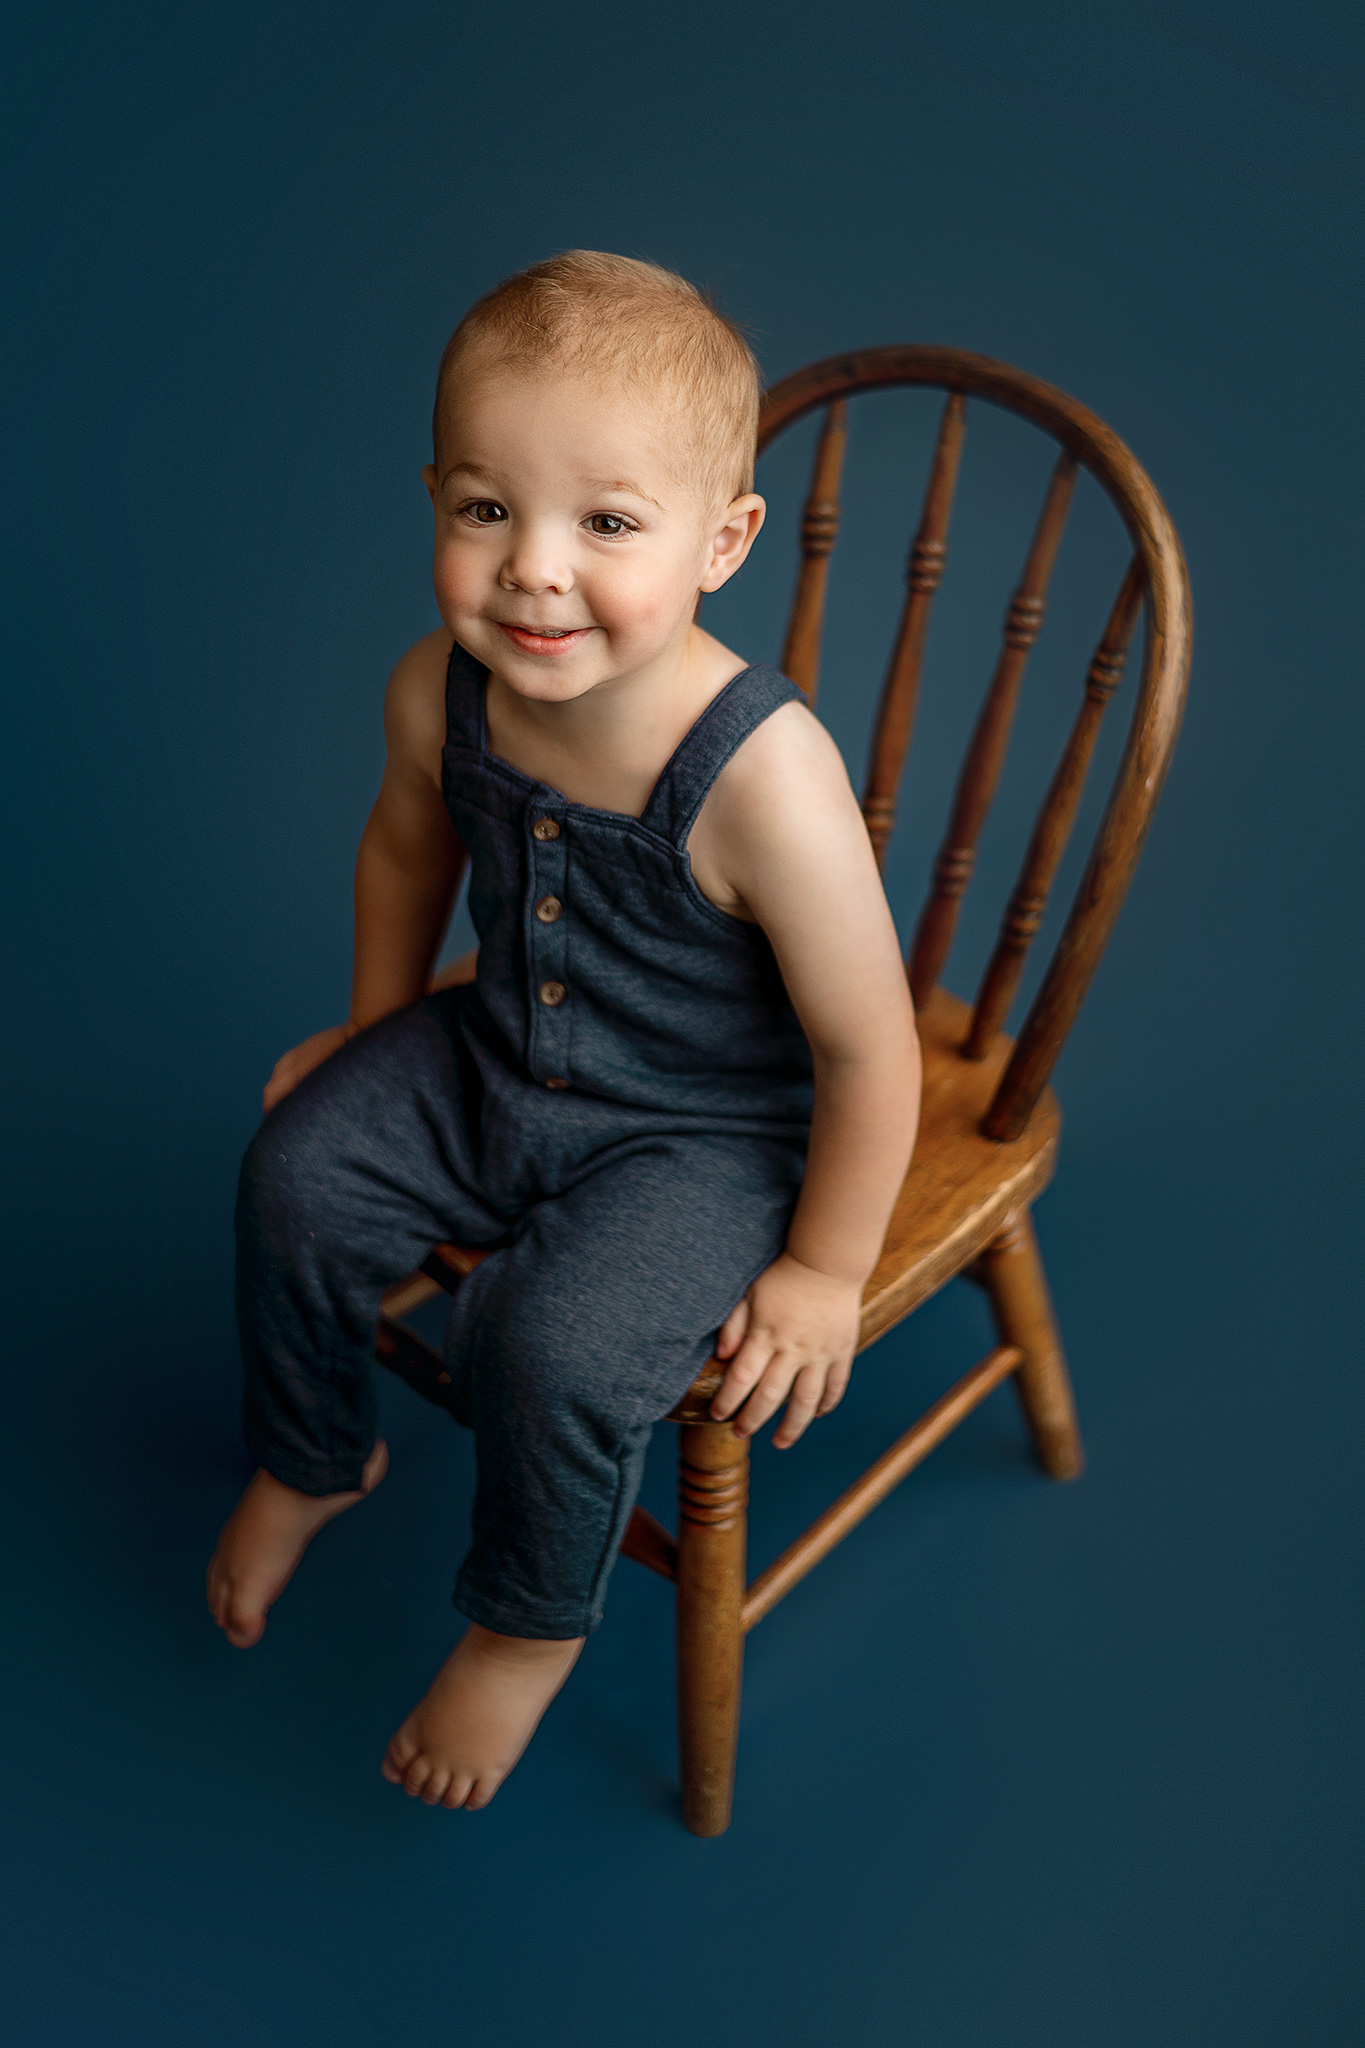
409,1294
440,1272
866,1493
647,1542
417,1362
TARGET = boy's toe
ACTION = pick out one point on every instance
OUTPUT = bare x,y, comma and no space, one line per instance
243,1628
219,1589
457,1793
416,1774
399,1754
434,1791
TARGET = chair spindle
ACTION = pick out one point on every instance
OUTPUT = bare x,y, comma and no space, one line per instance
819,531
1053,829
900,693
990,739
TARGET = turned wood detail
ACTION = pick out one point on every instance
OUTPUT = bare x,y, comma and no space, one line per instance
716,1498
819,532
1011,1240
924,572
1024,618
713,1486
990,739
927,561
1024,914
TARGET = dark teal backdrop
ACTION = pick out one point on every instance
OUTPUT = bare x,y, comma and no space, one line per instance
1021,1764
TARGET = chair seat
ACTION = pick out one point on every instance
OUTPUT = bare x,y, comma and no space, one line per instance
961,1187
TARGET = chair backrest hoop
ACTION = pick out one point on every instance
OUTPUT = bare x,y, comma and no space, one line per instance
1161,689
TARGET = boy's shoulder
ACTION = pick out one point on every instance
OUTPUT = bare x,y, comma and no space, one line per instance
781,830
784,760
424,663
415,700
781,795
789,746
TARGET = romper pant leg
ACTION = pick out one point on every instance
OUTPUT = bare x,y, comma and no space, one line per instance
572,1342
345,1188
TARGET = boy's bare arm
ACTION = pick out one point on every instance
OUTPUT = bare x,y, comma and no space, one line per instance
784,829
410,860
408,868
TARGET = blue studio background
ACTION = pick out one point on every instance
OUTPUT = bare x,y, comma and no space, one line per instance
1021,1764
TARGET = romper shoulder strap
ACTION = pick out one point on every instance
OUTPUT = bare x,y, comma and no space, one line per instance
465,679
747,699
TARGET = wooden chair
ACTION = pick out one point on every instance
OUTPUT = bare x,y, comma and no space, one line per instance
989,1130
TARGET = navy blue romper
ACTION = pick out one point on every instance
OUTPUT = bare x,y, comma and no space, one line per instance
619,1104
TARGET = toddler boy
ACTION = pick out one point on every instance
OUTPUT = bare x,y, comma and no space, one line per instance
677,1098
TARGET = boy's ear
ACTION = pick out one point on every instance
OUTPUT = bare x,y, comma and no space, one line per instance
429,479
733,538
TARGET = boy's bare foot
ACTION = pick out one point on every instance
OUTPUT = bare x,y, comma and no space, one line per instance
456,1748
262,1541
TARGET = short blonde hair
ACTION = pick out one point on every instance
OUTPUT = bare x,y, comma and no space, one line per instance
591,312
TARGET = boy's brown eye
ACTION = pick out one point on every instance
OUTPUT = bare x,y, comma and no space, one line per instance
486,511
607,525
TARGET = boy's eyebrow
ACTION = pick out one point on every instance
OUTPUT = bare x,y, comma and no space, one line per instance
593,483
474,469
622,483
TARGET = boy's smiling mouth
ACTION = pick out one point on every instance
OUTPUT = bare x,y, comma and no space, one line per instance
544,639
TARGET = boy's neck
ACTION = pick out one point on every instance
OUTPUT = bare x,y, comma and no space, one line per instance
608,746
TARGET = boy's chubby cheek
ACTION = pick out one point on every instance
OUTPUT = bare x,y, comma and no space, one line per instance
644,606
644,621
462,588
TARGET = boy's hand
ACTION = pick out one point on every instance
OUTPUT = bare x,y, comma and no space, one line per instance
301,1060
794,1334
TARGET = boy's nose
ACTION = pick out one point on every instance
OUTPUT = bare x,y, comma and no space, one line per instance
535,565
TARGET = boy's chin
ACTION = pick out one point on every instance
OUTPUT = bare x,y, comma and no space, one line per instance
550,683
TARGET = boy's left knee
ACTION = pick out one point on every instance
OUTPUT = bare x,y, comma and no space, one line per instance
283,1191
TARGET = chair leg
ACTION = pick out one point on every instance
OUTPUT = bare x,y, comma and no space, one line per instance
713,1493
1012,1270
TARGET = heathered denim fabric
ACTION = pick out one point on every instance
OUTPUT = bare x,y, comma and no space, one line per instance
629,1209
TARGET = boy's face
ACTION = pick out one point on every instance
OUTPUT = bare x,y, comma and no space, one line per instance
569,552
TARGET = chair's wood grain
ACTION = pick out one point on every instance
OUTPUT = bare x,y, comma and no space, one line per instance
854,1505
961,1187
990,739
1013,1272
1053,830
647,1542
900,693
713,1493
819,532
